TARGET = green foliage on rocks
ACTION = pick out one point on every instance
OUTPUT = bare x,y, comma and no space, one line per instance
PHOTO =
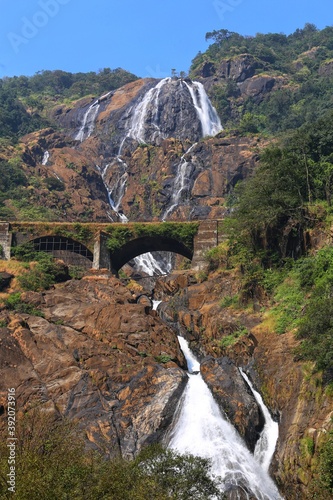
45,272
275,206
230,340
24,101
326,464
15,303
15,120
183,232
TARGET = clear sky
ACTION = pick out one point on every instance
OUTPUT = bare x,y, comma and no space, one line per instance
146,37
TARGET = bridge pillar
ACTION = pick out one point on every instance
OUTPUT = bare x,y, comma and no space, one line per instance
206,238
5,240
101,253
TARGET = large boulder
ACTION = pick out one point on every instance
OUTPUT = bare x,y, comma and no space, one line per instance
234,397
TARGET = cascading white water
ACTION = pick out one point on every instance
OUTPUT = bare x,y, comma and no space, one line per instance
210,121
201,429
156,303
138,121
152,266
88,122
266,444
118,189
145,112
46,158
210,125
180,183
136,131
149,265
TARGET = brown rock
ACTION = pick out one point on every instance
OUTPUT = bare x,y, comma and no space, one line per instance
93,358
233,395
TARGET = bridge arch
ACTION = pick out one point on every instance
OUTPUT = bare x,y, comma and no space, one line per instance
67,249
145,244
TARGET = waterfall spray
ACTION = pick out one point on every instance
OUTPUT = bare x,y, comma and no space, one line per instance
202,430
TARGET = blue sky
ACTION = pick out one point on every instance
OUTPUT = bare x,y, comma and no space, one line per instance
146,37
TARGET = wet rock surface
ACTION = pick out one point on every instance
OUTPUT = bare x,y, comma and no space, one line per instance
234,397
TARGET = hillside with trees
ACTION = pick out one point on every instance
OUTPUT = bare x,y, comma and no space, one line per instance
299,66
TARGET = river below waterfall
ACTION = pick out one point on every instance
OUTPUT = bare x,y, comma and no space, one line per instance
201,429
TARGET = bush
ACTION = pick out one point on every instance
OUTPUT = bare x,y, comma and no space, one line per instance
76,272
15,303
46,270
326,464
316,331
53,463
45,273
229,340
217,257
54,184
27,253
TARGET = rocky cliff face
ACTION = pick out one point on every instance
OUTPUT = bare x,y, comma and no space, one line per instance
140,148
96,357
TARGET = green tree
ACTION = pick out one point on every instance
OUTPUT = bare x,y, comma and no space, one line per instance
53,463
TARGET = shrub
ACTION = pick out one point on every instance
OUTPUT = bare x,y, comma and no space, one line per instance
229,340
326,464
45,273
14,303
76,272
55,464
228,301
54,184
316,331
26,252
217,257
163,358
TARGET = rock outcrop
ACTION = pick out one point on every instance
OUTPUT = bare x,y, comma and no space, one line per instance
227,385
98,358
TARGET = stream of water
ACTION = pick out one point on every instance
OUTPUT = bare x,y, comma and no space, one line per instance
201,429
266,444
88,122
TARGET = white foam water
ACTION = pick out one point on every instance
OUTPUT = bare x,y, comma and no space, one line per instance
88,122
201,429
266,444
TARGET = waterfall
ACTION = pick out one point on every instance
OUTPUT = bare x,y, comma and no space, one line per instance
149,265
181,182
46,158
88,122
156,303
266,444
209,119
210,125
146,113
154,265
139,117
117,190
201,429
136,128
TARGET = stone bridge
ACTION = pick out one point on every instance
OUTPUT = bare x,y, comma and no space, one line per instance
94,245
